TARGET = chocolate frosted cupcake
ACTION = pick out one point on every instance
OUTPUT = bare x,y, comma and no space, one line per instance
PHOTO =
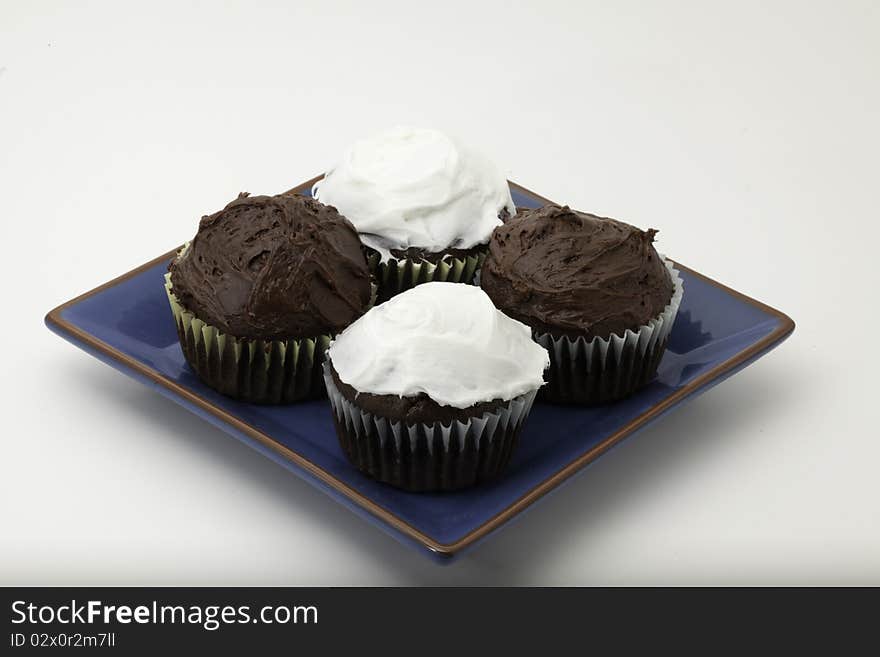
259,292
424,206
595,293
430,389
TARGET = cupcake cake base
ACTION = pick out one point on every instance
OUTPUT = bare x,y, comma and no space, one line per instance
256,371
421,457
602,370
400,273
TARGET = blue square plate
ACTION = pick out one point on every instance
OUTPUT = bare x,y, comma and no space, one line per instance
127,324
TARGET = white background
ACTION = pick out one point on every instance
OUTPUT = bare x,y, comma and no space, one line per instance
747,132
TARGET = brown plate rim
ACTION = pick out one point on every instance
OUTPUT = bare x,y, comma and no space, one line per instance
786,326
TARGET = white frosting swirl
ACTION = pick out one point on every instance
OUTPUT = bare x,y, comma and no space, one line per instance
446,340
411,187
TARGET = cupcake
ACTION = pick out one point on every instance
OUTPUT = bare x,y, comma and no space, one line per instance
594,292
430,389
424,205
260,291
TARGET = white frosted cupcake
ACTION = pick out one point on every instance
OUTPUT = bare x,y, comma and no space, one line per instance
424,205
430,389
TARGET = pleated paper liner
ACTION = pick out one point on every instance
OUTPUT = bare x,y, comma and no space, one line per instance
604,370
257,371
398,275
428,457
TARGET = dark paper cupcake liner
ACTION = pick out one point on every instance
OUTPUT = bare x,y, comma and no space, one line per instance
398,275
428,457
600,371
256,371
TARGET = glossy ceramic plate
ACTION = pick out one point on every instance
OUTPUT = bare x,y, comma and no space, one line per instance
127,324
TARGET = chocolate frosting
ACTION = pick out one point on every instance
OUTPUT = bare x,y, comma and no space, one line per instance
571,273
274,268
